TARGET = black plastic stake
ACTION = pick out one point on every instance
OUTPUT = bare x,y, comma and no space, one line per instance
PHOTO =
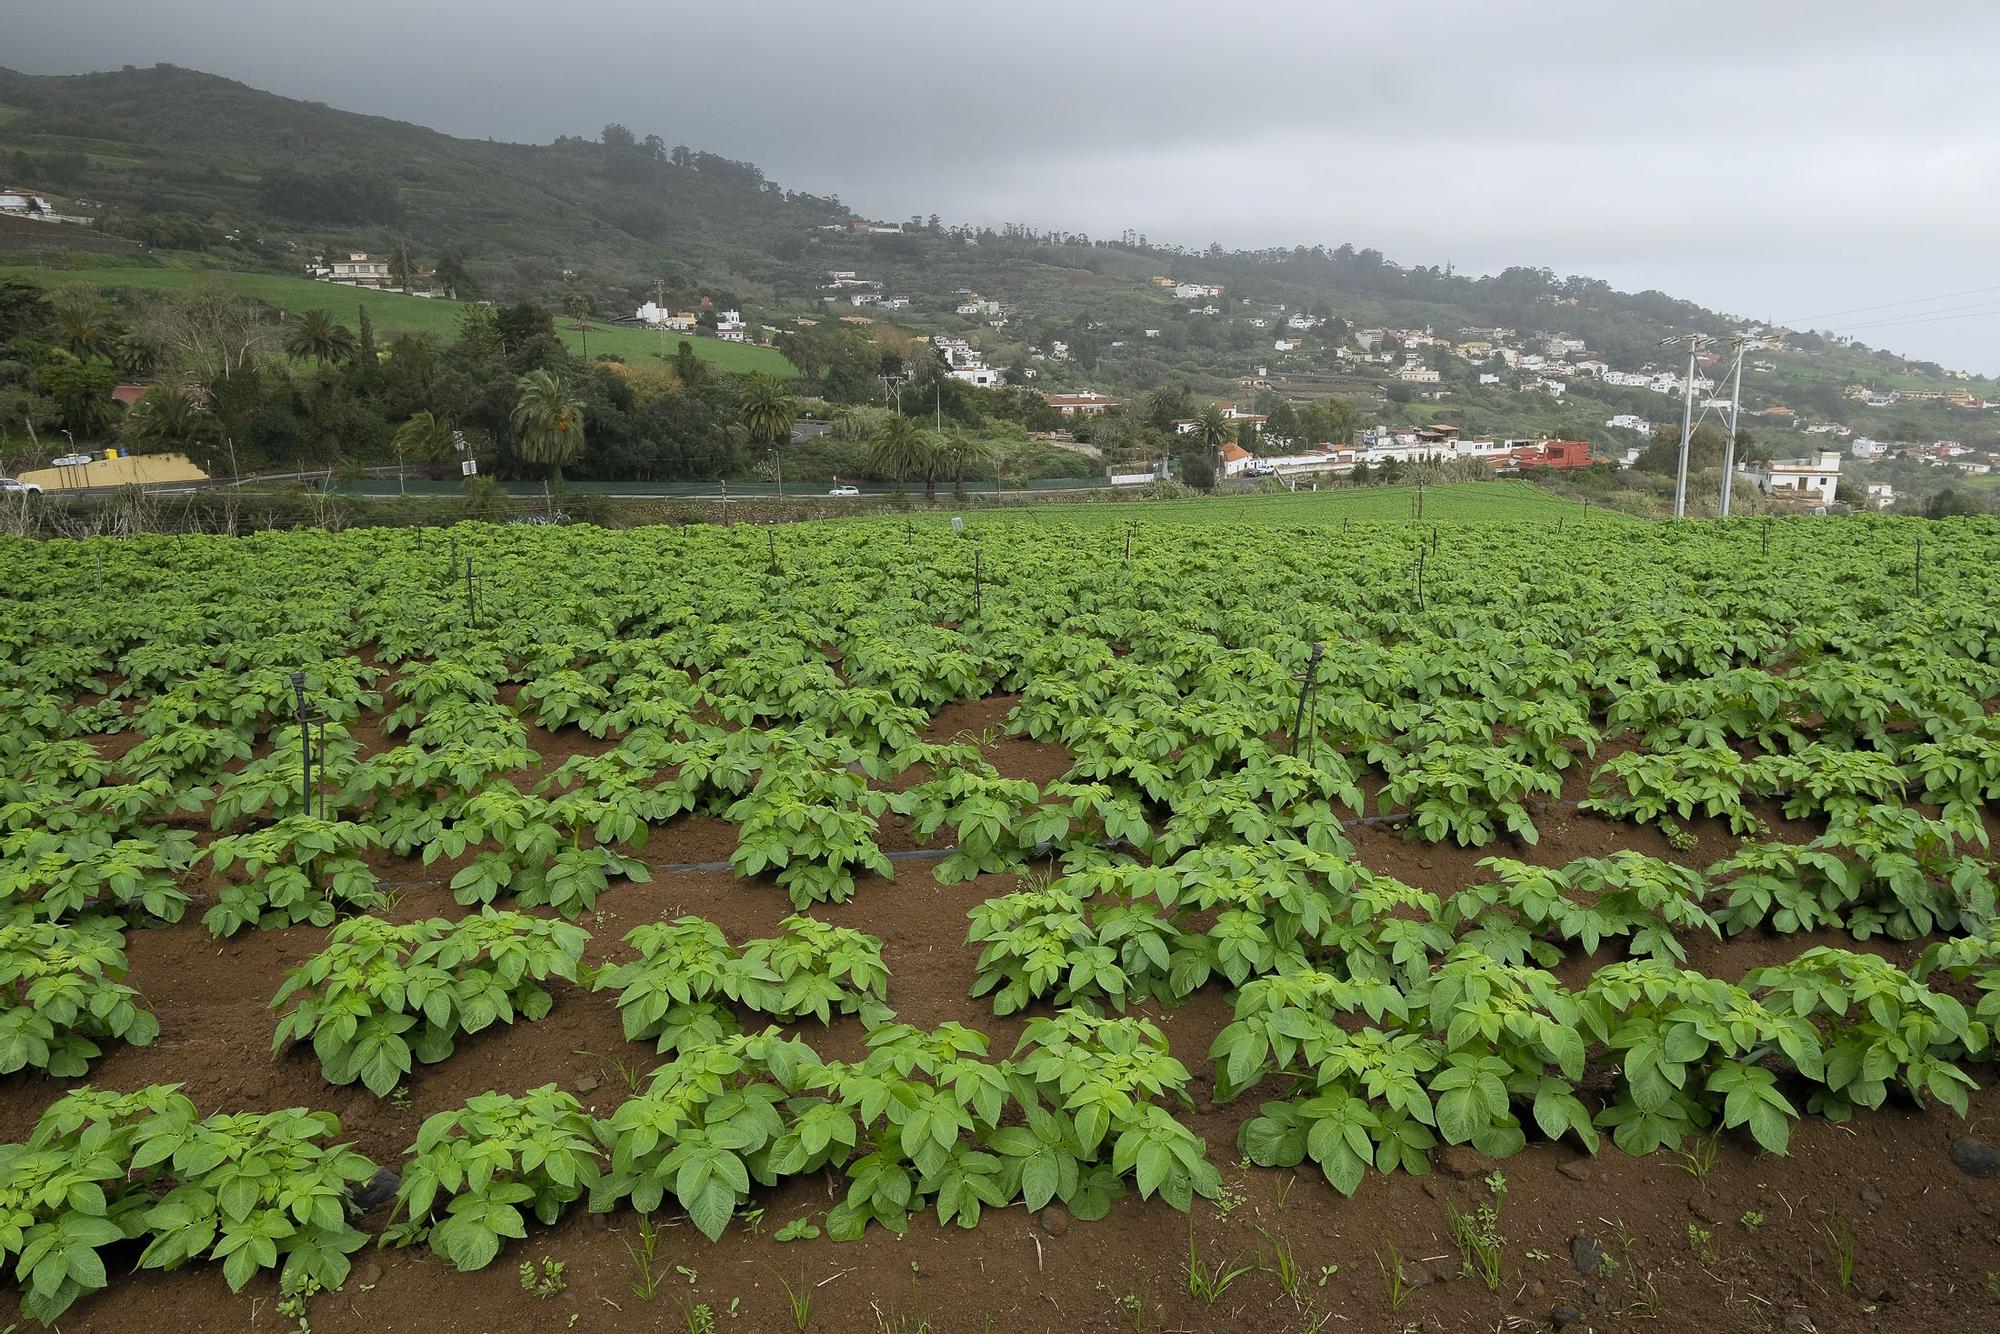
772,534
1420,578
1920,567
305,742
1305,690
471,607
978,596
1767,537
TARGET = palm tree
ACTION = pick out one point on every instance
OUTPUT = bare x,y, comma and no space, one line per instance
317,335
1212,429
900,449
962,452
134,354
849,424
768,410
81,329
548,420
166,418
578,306
426,436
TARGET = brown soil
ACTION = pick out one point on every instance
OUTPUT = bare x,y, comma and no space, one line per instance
1926,1240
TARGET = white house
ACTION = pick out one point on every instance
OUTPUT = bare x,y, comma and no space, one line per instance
895,303
659,317
1864,448
1301,321
1881,495
1287,344
866,298
1188,291
976,373
359,269
1152,333
1086,403
1417,375
23,201
1487,377
1813,479
1630,421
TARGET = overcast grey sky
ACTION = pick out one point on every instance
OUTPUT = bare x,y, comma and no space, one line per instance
1776,159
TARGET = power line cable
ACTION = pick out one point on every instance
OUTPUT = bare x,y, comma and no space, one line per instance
1951,313
1886,305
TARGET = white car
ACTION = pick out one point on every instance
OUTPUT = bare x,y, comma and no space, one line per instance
845,491
71,461
10,487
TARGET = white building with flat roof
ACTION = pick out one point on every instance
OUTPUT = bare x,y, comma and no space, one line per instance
1814,479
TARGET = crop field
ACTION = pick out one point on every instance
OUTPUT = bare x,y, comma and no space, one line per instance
1062,926
394,313
1503,499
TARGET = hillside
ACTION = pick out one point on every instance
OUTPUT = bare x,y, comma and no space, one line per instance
216,174
186,156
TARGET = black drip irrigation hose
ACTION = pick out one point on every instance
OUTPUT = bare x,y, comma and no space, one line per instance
939,854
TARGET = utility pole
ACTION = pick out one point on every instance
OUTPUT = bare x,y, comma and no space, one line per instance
1694,342
1735,410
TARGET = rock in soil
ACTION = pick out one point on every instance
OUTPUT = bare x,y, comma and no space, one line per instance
1585,1254
1872,1197
1565,1316
1459,1163
1574,1168
1054,1221
1975,1158
375,1189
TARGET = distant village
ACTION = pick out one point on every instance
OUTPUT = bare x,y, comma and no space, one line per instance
1547,364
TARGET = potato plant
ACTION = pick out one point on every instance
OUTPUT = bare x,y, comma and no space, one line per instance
255,1191
300,869
88,868
476,1172
380,998
62,992
677,992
